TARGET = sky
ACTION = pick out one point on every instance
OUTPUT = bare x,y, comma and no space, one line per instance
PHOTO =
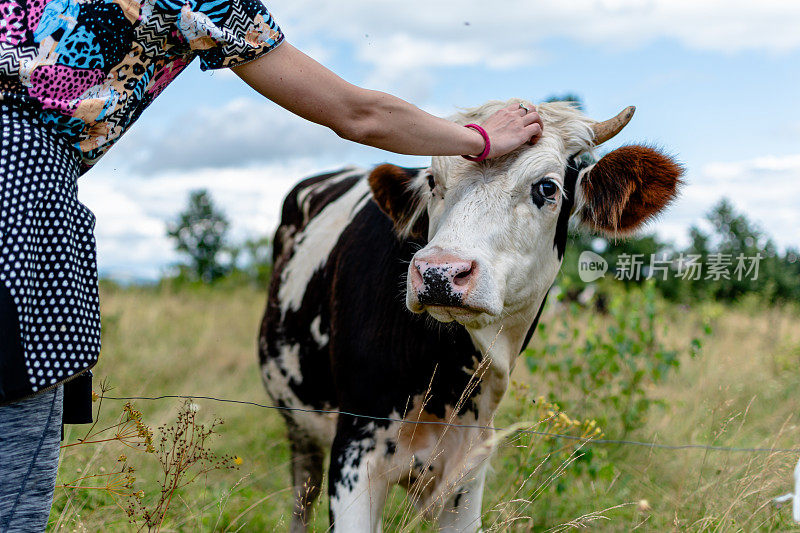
715,82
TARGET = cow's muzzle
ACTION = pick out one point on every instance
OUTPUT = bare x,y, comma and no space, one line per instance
442,280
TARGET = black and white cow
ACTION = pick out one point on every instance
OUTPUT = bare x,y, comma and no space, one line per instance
475,246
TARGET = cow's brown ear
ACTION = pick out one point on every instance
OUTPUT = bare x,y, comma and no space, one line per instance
627,188
397,192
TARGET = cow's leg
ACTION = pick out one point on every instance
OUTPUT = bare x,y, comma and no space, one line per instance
462,510
356,484
307,464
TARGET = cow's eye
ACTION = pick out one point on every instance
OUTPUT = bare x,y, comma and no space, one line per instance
545,190
431,182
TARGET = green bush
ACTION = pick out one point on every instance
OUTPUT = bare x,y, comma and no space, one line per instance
601,367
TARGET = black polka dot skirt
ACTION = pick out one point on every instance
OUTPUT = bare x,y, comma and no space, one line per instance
47,251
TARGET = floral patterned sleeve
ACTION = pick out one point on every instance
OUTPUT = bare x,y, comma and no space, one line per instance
227,33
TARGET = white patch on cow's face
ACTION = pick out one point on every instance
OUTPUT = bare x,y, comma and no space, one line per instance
486,215
315,243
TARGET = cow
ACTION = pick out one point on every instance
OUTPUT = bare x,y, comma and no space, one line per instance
401,297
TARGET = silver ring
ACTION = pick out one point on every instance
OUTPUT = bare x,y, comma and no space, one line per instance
523,106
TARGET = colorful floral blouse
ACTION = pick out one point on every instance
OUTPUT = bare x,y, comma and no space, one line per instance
93,66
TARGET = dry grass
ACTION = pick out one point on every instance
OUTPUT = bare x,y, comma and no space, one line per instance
195,342
741,392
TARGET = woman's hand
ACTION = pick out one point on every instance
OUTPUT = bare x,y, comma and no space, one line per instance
511,127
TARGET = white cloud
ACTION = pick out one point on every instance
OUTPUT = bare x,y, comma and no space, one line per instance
402,62
132,212
416,34
238,133
766,189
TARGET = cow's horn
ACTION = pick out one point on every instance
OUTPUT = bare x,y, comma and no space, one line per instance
605,130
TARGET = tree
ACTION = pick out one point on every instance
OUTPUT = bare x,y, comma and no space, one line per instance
258,256
732,236
199,233
570,97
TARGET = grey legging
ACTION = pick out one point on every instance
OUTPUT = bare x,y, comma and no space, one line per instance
30,433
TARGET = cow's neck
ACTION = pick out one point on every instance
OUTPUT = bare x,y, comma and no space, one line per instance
505,339
500,343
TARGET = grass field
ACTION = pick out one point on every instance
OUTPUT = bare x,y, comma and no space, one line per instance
741,391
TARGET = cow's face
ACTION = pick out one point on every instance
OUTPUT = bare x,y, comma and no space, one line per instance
496,230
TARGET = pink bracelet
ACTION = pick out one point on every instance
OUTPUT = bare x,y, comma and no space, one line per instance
486,148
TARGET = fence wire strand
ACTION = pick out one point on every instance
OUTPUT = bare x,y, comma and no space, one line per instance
585,440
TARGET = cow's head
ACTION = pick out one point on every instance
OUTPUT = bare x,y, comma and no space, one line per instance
495,231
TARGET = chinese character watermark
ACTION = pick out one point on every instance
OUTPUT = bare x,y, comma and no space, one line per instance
690,267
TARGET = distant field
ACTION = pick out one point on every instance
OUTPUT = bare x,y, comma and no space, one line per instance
742,391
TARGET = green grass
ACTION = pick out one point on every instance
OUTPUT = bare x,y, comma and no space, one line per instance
742,391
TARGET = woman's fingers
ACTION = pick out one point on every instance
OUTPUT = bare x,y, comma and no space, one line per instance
534,128
532,117
521,109
535,131
513,126
533,125
531,120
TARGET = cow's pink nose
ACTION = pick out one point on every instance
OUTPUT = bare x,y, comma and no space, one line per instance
442,280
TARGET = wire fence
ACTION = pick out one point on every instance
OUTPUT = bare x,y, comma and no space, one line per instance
586,440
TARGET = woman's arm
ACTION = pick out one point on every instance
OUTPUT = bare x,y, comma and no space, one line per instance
296,82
